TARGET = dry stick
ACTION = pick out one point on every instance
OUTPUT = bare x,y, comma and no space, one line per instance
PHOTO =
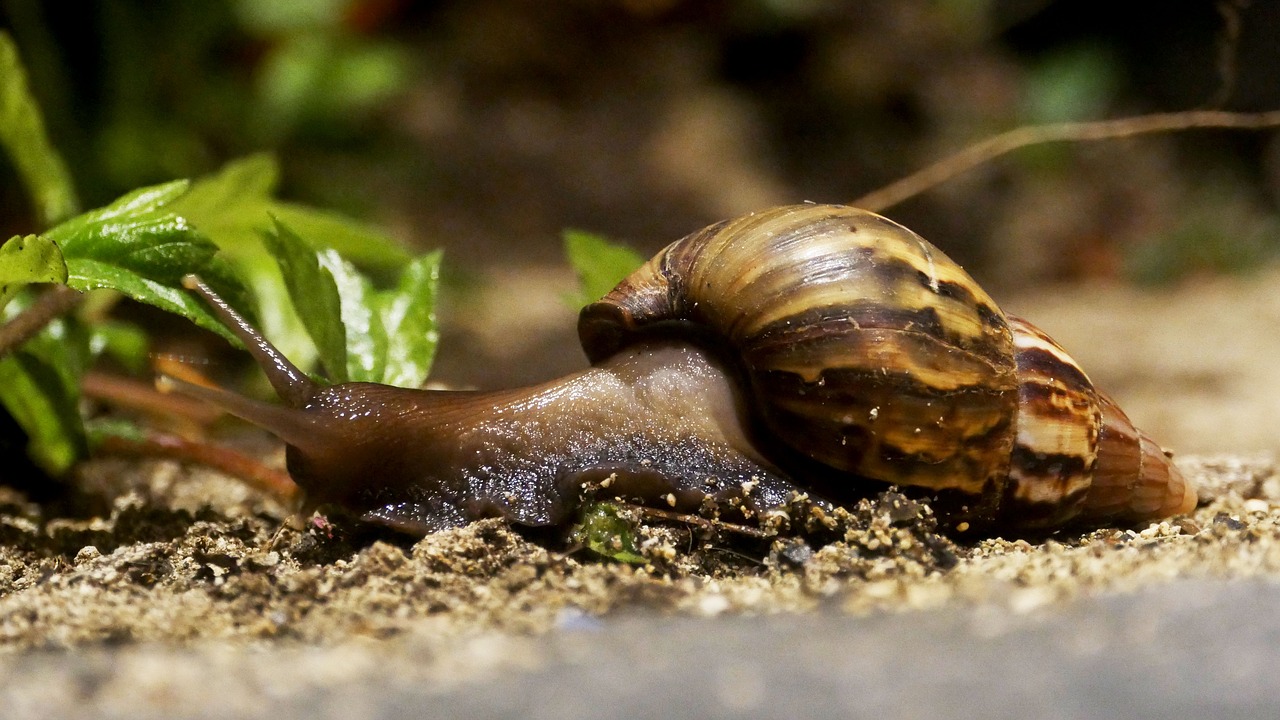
122,391
690,519
247,469
54,302
997,145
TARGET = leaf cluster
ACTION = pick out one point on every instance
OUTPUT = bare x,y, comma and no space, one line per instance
298,271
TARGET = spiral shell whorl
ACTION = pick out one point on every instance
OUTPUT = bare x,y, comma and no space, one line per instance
1059,422
1077,458
868,349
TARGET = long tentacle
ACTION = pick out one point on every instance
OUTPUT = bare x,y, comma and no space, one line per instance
289,424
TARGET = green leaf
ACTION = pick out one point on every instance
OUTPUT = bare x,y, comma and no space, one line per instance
151,200
390,335
409,319
138,246
26,260
45,405
233,207
92,274
366,338
23,136
163,249
224,195
599,263
604,531
40,387
358,242
315,297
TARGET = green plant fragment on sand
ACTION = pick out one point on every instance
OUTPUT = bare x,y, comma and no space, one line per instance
604,531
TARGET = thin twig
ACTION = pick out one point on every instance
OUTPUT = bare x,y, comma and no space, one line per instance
52,303
142,396
698,520
242,467
997,145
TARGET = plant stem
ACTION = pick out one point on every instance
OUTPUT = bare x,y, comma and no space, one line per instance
993,147
54,302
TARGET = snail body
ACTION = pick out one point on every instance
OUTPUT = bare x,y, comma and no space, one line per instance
811,349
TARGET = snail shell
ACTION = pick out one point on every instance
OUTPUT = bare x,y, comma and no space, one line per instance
868,350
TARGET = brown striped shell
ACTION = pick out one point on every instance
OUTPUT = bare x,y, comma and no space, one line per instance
869,351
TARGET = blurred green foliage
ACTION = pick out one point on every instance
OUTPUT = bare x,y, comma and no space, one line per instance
1077,83
140,91
22,130
599,263
1217,235
40,390
493,124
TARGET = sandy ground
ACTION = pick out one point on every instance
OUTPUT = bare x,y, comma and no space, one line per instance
178,603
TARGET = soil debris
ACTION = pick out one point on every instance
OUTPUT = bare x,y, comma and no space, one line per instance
156,569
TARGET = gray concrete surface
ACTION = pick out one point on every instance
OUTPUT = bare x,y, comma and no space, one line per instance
1194,649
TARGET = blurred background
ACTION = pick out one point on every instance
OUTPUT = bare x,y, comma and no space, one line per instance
487,127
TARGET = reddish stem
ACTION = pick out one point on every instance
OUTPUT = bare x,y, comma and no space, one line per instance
236,464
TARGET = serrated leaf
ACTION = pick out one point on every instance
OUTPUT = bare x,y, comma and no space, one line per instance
315,297
390,335
234,207
138,246
84,274
409,321
23,136
362,244
599,263
231,208
160,248
223,197
26,260
366,338
146,203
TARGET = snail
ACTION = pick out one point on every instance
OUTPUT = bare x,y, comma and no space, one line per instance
807,350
